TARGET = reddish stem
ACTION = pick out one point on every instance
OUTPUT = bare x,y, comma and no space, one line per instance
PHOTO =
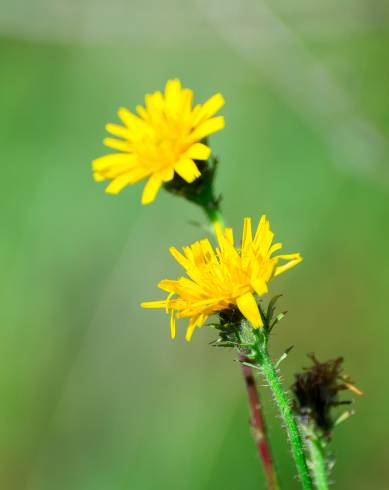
259,427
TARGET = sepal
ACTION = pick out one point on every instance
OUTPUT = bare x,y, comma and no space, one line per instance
201,190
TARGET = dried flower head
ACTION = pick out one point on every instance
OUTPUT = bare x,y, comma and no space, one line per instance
225,277
317,388
166,137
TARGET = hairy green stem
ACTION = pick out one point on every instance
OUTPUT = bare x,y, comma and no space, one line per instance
282,402
318,464
258,425
257,418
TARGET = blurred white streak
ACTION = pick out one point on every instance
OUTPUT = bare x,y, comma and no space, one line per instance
94,21
170,21
255,32
334,20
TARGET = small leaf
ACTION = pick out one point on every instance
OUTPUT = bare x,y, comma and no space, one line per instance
271,307
277,319
284,356
343,417
220,342
253,366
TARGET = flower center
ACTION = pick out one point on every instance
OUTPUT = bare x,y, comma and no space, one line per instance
162,144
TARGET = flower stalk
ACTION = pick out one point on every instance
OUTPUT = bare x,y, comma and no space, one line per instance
317,461
257,418
271,375
259,428
166,142
254,343
214,215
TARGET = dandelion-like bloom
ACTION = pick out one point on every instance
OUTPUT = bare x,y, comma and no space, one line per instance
166,137
225,277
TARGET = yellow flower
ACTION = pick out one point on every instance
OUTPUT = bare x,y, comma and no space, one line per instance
165,137
224,277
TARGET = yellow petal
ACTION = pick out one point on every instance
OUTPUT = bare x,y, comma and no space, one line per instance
117,144
260,286
151,189
118,131
173,325
249,309
229,235
247,238
167,174
118,184
208,127
130,177
98,177
142,112
168,302
187,99
115,171
153,304
173,96
293,259
196,321
181,259
154,101
260,228
187,169
168,285
128,118
190,330
112,159
209,108
198,151
219,234
172,87
208,252
274,248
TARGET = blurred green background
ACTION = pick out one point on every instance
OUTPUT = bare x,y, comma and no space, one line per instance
94,394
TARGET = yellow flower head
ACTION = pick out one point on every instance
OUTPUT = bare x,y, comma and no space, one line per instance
224,277
165,137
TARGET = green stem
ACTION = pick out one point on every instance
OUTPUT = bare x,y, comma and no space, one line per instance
285,409
317,463
257,419
258,423
214,215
